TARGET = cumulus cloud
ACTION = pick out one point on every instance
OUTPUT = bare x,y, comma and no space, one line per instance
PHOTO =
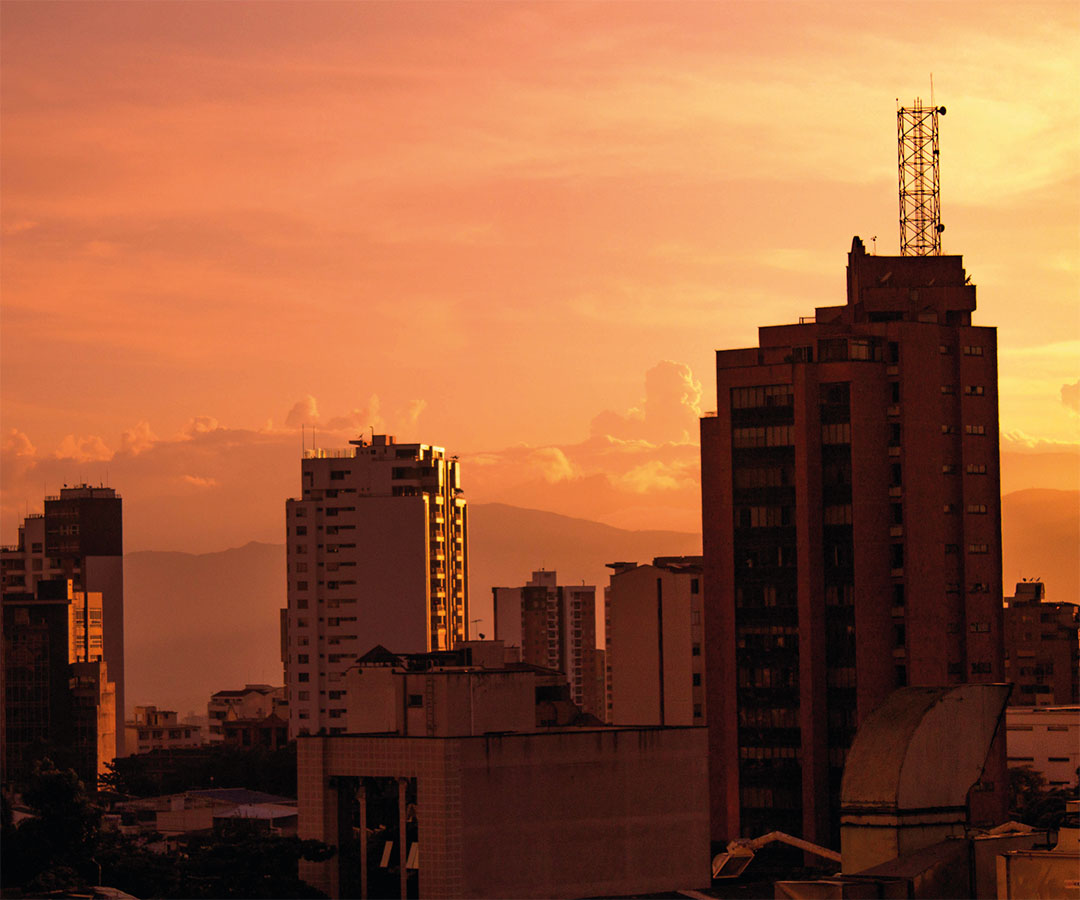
657,476
669,411
552,464
304,412
136,440
199,481
1070,395
201,425
365,418
16,443
87,448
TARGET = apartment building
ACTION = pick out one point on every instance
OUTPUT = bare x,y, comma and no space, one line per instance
851,535
377,554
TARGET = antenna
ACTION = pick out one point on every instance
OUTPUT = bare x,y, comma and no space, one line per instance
920,178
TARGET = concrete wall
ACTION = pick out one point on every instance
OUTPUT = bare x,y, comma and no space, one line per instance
560,814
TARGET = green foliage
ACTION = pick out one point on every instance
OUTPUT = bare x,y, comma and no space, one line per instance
65,848
1031,802
202,768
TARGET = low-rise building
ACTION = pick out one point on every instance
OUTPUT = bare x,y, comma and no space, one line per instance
444,785
175,814
1046,738
253,702
160,729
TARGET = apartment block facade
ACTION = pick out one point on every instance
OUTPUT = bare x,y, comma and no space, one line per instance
655,640
58,699
851,536
377,554
555,627
79,537
1042,648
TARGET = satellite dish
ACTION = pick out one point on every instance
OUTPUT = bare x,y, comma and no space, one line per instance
940,228
941,109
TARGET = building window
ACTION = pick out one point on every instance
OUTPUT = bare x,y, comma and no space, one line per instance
978,509
695,585
948,468
974,390
948,508
975,429
303,695
839,433
695,650
948,389
301,530
303,677
301,585
980,668
948,429
976,469
764,396
302,658
768,436
951,549
979,627
944,349
416,700
301,602
301,548
894,391
695,679
978,548
338,474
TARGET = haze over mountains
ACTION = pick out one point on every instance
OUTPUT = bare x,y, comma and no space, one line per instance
197,623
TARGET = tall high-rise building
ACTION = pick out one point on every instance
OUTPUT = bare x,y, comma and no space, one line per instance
377,554
655,643
58,700
852,536
80,537
555,627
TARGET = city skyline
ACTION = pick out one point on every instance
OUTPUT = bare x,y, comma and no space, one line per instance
603,194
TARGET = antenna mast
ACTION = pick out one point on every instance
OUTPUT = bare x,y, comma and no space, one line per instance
920,179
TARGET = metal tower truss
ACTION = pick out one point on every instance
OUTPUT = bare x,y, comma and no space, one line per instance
920,182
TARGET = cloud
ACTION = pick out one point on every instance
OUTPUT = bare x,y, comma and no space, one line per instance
1018,441
669,411
17,444
201,425
304,412
553,464
136,440
365,418
199,481
1070,395
88,448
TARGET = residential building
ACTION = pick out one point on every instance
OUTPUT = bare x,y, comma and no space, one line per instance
1046,738
58,700
253,702
161,729
79,537
445,761
851,536
555,627
377,554
1042,648
172,815
655,635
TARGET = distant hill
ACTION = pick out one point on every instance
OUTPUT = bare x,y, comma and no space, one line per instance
1041,538
198,623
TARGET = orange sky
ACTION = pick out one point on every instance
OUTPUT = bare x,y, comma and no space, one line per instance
481,225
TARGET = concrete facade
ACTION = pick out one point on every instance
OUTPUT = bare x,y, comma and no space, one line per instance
79,537
851,536
555,627
1042,648
253,702
161,729
1047,738
377,554
569,813
58,700
655,639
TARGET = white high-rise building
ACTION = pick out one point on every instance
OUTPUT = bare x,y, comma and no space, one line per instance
377,554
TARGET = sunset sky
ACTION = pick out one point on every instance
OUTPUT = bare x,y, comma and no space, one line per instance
518,231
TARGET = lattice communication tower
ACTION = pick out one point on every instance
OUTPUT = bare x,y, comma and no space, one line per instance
920,179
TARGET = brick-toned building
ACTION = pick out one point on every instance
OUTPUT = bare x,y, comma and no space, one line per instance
555,627
852,536
1042,648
